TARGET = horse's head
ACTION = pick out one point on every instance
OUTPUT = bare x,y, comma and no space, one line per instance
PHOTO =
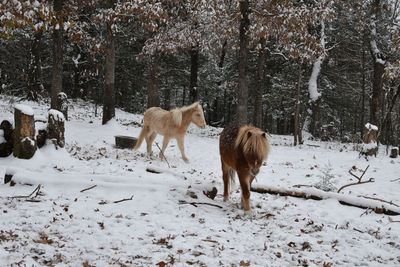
256,150
198,117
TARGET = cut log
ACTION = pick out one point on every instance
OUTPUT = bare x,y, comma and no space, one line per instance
6,149
6,140
122,141
55,128
394,153
316,194
41,138
7,128
24,132
62,104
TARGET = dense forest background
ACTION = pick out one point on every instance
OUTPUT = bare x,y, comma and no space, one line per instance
324,67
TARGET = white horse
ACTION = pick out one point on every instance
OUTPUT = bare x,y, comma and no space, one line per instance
170,124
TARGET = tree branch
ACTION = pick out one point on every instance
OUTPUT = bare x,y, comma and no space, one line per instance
83,190
198,203
125,199
315,194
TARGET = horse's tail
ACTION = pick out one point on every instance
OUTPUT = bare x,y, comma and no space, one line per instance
231,183
141,137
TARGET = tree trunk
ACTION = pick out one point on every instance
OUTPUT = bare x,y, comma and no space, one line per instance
167,96
363,87
57,71
258,107
378,69
153,99
241,113
35,74
109,90
297,118
194,68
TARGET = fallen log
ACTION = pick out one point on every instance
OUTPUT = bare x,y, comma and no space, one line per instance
312,193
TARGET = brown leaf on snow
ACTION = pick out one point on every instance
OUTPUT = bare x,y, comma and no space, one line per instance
101,224
243,263
291,244
44,240
161,264
86,264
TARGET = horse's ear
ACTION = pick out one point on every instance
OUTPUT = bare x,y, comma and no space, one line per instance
264,135
249,134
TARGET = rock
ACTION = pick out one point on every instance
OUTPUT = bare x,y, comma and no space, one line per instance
122,141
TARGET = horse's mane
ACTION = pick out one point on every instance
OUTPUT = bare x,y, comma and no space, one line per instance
176,114
253,140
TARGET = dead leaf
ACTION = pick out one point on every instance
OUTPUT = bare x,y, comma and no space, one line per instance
243,263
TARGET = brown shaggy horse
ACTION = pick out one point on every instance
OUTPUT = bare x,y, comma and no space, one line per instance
242,149
170,124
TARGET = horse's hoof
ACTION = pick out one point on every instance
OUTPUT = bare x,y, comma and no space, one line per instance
247,212
186,160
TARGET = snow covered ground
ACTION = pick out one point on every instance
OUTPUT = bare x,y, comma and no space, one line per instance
158,228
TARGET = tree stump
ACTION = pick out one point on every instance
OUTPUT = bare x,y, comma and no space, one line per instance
370,146
125,141
62,104
56,128
24,132
6,142
41,138
394,153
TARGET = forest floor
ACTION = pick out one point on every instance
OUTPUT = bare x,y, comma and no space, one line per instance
155,224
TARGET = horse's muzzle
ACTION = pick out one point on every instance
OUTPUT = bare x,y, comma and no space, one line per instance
254,172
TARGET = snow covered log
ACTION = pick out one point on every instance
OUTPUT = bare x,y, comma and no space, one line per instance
6,142
56,128
122,141
62,104
24,132
316,194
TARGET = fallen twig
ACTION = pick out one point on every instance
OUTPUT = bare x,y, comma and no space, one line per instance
302,185
316,194
381,200
394,180
148,169
371,180
313,145
37,190
163,155
86,189
32,200
125,199
199,203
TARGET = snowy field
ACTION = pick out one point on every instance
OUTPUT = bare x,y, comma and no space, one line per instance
157,227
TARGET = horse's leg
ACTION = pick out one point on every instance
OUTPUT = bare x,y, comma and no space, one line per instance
149,142
143,135
164,145
181,141
244,179
226,177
